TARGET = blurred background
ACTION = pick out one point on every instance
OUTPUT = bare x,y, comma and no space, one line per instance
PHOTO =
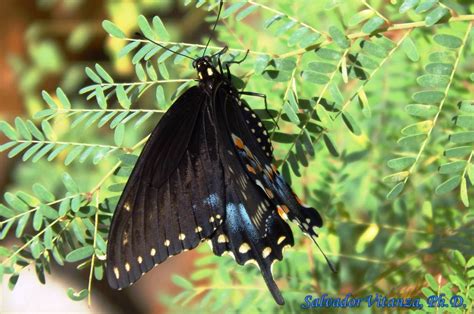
411,242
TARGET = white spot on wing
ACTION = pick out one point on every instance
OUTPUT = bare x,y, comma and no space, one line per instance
182,236
127,266
139,260
231,254
167,243
281,239
251,261
116,272
266,251
222,238
244,248
153,252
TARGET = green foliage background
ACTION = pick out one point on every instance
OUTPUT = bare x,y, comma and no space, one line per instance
374,103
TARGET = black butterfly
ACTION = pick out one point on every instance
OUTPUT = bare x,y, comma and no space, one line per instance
205,173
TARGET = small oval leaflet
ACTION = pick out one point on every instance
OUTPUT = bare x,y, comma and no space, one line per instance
448,41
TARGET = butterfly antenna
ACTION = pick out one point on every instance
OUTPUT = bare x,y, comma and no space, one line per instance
162,46
214,27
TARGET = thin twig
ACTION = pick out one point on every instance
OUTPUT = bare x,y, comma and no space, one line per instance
440,108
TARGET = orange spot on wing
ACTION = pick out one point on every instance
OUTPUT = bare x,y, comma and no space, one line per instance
269,193
282,210
238,143
251,169
274,168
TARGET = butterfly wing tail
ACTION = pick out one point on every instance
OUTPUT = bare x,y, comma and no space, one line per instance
252,241
271,285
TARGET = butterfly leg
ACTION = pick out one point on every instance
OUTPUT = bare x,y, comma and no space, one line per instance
264,100
228,63
241,60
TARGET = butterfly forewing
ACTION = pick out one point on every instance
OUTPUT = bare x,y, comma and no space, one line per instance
166,210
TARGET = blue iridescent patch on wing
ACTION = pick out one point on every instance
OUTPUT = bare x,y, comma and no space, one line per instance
212,200
238,220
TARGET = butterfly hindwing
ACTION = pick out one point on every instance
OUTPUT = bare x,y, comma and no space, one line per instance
166,210
262,172
252,231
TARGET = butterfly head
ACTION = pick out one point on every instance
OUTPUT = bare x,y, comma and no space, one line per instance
204,68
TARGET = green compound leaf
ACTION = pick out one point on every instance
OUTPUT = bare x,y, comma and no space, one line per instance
103,74
119,134
330,145
351,124
465,121
246,12
339,37
8,130
80,254
428,97
372,25
329,54
361,16
401,163
463,194
425,5
63,98
322,67
146,28
458,152
407,5
291,113
314,77
424,111
452,167
434,16
448,185
462,137
22,129
160,29
396,190
42,193
439,68
448,41
77,296
113,29
432,81
409,47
